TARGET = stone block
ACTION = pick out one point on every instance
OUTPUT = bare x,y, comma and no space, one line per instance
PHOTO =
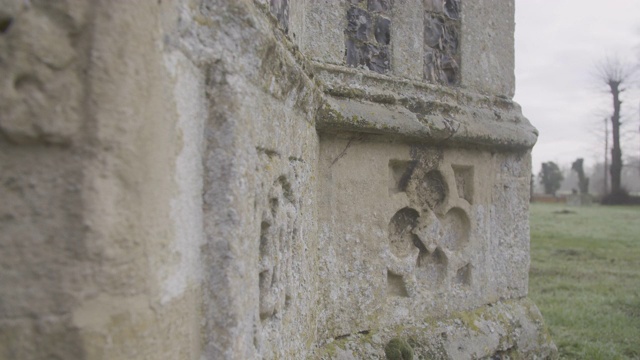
323,38
408,46
487,47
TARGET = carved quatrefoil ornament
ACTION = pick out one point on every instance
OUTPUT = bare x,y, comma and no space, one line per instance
428,250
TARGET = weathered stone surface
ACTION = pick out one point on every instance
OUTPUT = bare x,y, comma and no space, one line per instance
368,36
441,38
359,23
323,38
413,111
487,36
471,54
382,30
379,5
261,179
505,330
40,69
408,48
100,227
425,246
280,9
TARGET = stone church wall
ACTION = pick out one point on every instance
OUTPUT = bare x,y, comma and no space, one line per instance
280,179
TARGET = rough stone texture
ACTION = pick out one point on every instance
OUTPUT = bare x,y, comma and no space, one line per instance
407,49
41,71
483,333
368,35
430,241
379,105
442,41
323,38
100,225
461,43
202,179
280,9
486,46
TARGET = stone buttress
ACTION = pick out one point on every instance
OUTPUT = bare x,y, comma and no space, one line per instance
263,179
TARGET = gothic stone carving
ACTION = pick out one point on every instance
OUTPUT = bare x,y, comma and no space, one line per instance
279,230
427,239
416,242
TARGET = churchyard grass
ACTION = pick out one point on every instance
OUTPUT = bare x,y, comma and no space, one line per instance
585,278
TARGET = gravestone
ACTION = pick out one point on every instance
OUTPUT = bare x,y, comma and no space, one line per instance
276,179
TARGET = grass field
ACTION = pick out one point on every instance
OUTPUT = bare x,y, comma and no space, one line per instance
585,278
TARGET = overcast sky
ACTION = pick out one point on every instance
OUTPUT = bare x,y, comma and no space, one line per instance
558,43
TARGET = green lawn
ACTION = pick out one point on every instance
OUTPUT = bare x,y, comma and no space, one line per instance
585,278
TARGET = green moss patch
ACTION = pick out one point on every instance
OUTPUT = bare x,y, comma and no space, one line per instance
398,349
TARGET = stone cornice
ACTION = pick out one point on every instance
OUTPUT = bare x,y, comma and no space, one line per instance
357,100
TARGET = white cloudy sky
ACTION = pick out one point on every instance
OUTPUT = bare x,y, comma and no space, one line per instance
558,43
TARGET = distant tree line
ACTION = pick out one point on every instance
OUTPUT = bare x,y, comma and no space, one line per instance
550,177
553,178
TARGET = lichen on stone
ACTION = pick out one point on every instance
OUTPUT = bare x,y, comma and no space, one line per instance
398,349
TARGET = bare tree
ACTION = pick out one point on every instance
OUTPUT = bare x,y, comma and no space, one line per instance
615,74
606,157
583,181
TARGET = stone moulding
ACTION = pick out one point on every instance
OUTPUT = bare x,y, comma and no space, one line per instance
486,332
419,112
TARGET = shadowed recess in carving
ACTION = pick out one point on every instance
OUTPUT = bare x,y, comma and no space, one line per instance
395,285
463,275
431,189
274,203
399,174
455,229
277,233
436,257
267,277
464,182
27,83
286,188
266,309
5,23
264,229
30,89
401,238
